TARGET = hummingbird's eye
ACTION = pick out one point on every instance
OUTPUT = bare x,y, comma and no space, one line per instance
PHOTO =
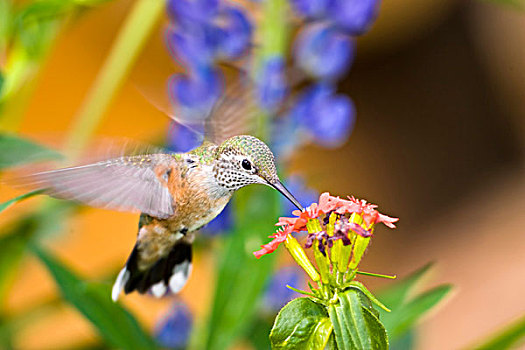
246,164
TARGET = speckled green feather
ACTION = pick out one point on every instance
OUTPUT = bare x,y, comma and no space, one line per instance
205,152
250,146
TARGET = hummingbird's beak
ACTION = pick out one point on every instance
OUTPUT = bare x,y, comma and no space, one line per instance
280,187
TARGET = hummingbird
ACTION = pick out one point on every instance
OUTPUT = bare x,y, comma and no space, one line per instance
176,194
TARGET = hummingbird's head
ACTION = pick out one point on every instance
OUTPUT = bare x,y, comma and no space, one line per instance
243,160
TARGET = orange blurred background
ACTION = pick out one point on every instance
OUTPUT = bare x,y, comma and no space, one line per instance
439,141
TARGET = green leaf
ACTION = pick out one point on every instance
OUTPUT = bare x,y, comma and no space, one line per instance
36,24
369,295
113,322
404,342
355,326
12,248
240,277
257,334
7,204
508,337
17,151
301,324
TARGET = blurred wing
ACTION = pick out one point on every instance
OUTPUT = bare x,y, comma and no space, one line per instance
235,113
124,184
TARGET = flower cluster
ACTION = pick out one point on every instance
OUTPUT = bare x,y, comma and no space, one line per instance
345,215
339,231
202,33
324,49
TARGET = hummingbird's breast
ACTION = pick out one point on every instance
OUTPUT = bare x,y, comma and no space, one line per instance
197,196
197,199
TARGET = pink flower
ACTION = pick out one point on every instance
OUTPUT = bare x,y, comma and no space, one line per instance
278,238
327,204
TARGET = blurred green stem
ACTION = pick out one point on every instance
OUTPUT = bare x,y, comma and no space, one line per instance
137,28
274,28
274,33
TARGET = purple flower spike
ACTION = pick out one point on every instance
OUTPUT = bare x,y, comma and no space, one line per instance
271,83
196,93
304,107
323,52
354,16
310,8
235,33
195,46
173,331
334,121
187,12
327,117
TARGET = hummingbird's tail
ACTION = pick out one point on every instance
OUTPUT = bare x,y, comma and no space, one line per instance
168,274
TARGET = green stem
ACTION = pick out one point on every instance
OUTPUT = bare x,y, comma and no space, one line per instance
375,275
274,33
274,28
131,38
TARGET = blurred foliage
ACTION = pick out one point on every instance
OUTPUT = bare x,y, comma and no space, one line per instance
406,308
22,151
10,202
509,337
36,225
27,32
116,325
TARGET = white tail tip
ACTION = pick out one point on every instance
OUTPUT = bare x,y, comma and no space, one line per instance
121,281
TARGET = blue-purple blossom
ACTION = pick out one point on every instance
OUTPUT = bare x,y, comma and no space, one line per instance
277,294
334,122
196,92
173,331
327,117
191,11
271,83
311,8
225,35
194,46
354,16
234,33
323,51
